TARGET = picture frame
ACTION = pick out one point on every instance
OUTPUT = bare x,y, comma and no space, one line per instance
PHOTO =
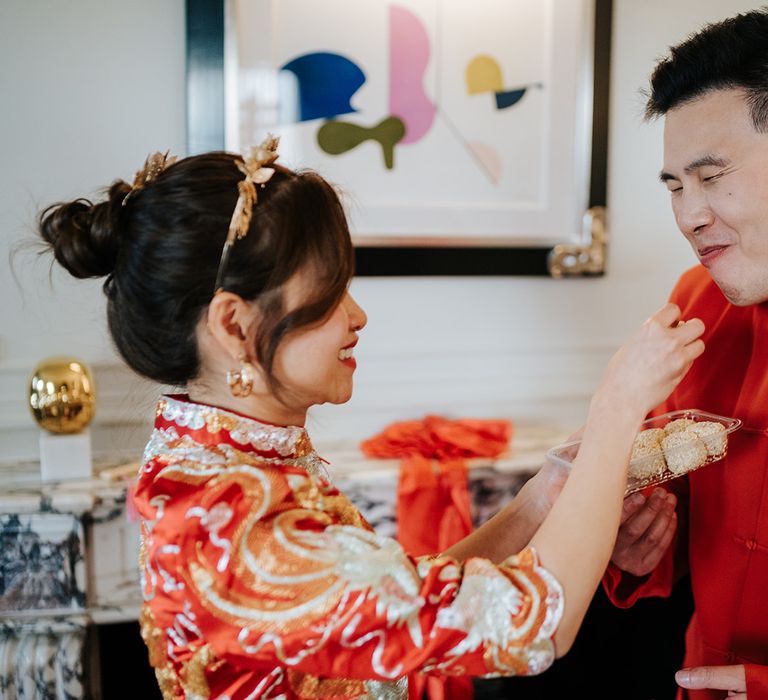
441,212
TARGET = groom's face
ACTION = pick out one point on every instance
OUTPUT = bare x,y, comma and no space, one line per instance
716,169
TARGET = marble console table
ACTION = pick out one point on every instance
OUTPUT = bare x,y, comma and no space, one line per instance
67,561
69,552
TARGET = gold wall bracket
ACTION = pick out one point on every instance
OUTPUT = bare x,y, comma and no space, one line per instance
585,259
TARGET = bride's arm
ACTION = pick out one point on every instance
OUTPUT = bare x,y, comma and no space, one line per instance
575,540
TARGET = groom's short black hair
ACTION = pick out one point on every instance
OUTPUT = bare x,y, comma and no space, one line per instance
732,53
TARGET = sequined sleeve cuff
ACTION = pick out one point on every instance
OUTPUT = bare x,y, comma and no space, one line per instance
546,604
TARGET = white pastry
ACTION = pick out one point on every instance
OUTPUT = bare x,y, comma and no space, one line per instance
677,426
683,451
713,435
647,457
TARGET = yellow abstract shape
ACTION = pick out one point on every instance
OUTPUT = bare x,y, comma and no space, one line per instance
484,75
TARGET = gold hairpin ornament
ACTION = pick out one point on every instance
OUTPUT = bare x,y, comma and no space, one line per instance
255,167
153,166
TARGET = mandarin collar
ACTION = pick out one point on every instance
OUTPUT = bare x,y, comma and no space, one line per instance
210,424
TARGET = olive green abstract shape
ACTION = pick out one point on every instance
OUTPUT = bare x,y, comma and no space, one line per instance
336,137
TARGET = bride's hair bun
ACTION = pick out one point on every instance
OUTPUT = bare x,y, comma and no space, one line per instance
85,236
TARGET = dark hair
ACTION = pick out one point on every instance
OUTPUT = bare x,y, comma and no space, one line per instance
728,54
160,253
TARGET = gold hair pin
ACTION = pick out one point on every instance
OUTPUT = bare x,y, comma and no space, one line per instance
256,169
153,166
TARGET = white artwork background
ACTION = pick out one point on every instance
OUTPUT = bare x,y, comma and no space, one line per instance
436,189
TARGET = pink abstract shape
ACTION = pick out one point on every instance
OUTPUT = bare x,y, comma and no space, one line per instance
408,58
488,158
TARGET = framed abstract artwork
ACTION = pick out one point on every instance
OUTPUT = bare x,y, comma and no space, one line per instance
466,138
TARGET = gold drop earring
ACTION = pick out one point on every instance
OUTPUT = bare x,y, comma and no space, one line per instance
241,380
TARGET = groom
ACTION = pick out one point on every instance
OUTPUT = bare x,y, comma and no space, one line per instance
712,91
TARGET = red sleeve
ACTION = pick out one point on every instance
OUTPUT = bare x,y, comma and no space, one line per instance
274,576
757,682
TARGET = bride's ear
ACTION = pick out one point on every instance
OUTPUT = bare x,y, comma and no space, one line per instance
232,323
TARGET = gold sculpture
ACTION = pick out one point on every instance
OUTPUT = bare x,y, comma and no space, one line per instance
62,395
586,259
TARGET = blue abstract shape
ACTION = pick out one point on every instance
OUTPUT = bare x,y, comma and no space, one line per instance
507,98
327,82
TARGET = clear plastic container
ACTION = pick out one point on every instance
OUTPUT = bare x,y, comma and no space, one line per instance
648,470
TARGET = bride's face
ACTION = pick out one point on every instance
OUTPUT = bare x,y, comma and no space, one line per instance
316,364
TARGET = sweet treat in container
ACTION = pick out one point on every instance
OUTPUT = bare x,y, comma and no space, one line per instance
667,446
684,451
677,425
647,456
713,435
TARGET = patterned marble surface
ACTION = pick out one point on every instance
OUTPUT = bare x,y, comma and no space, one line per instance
41,562
43,660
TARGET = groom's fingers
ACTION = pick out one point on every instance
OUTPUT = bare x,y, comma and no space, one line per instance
713,678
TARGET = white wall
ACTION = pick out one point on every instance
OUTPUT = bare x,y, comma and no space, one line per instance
90,86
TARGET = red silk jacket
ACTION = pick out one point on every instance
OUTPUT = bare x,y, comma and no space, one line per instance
723,508
261,580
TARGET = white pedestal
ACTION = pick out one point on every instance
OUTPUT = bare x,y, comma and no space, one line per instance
65,457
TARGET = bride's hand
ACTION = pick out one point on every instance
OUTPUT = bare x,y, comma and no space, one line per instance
648,367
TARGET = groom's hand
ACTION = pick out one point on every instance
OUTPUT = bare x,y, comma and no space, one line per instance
730,678
647,528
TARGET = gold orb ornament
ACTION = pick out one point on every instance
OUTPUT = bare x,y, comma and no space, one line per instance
62,395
